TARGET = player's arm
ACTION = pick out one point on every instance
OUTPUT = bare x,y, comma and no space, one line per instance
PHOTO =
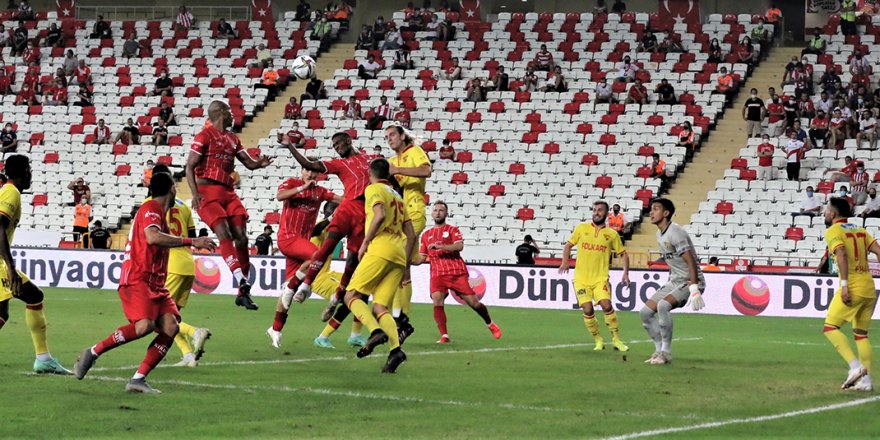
423,170
292,193
156,237
251,163
843,272
824,260
566,256
696,298
372,228
191,233
6,254
454,247
316,166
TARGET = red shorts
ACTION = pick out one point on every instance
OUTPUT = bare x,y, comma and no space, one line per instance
219,202
349,220
296,250
456,283
140,302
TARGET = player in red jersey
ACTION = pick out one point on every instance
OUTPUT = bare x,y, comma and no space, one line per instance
302,200
209,175
441,246
145,300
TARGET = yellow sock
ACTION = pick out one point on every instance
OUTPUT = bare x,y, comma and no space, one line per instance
866,353
390,328
613,325
592,325
403,298
187,330
840,343
36,322
183,344
356,327
328,330
363,313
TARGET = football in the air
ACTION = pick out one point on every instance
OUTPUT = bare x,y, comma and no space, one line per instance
304,67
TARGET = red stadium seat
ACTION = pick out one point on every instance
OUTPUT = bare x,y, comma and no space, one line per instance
748,175
492,147
474,117
794,233
37,138
164,160
429,146
120,149
123,170
739,164
496,191
529,138
272,218
643,172
40,200
645,195
496,107
50,158
604,182
175,140
724,208
608,139
432,126
825,187
459,178
589,160
464,157
551,148
646,151
517,169
525,214
453,106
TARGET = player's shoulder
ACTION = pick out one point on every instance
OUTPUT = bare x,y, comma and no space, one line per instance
9,191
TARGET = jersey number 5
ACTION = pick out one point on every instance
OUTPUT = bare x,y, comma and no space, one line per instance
174,225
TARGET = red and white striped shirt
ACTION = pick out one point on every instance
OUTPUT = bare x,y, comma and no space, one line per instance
185,19
443,262
143,262
218,150
301,211
353,171
860,182
102,133
383,110
544,58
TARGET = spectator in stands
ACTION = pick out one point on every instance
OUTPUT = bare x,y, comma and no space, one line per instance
132,47
25,11
619,222
19,40
432,27
292,110
53,36
825,103
31,56
82,216
790,107
369,69
859,66
365,39
402,116
543,60
839,128
80,190
529,80
556,81
163,85
26,96
816,45
753,113
264,56
859,184
619,7
446,152
185,19
872,205
83,73
794,150
526,251
101,29
848,17
712,266
342,13
761,35
811,206
160,133
263,242
84,94
381,113
303,9
843,193
716,54
772,16
687,138
845,173
765,158
726,84
453,72
225,30
166,114
9,138
269,80
819,129
500,82
148,173
806,110
638,94
670,44
604,92
129,134
775,116
474,91
294,135
658,170
867,131
665,93
352,110
69,64
98,237
859,98
5,36
380,29
393,40
314,90
799,132
5,82
102,133
648,43
56,95
323,32
377,150
829,82
626,70
746,53
600,7
402,60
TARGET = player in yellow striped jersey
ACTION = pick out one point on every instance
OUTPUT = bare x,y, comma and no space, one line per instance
412,169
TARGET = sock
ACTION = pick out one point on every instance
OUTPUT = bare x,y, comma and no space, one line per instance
295,280
356,327
649,321
360,309
866,353
664,319
280,319
319,258
395,312
244,259
36,322
346,274
440,319
155,353
122,335
840,343
402,300
390,328
613,325
44,356
483,311
592,325
183,344
227,250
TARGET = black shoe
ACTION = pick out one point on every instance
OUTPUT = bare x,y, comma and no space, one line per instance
244,297
377,338
405,331
395,358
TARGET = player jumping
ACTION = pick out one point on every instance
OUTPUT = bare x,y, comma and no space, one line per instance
685,284
595,243
301,198
13,283
441,246
145,299
384,264
854,301
208,172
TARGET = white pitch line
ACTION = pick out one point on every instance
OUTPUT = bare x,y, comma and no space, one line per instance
420,353
758,419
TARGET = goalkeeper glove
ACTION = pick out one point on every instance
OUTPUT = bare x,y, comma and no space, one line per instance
696,299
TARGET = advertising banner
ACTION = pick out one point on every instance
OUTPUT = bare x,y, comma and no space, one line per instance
497,285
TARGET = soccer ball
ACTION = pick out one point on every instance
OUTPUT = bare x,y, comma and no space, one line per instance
304,67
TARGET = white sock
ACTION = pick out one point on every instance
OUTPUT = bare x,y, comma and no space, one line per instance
138,376
355,334
288,290
395,313
665,346
658,346
238,275
93,350
44,357
300,275
855,364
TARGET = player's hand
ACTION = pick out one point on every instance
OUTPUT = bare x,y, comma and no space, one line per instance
844,295
696,300
407,278
433,246
625,280
392,169
563,268
264,161
362,251
196,201
14,281
204,243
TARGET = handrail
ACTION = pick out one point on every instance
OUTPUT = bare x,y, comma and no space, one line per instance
201,13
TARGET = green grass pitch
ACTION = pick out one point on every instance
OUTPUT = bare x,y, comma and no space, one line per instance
541,380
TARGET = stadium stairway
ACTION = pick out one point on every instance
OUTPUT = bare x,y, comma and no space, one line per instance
692,186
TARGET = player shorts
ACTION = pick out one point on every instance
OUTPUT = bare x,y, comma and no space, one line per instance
858,313
679,289
326,283
295,251
179,287
592,292
219,202
457,283
418,220
5,293
349,220
140,302
378,277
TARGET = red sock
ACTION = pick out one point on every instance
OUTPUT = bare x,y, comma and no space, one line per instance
228,251
155,353
122,335
280,319
440,319
333,323
319,258
294,282
347,273
244,259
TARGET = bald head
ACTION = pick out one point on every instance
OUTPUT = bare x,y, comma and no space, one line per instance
219,114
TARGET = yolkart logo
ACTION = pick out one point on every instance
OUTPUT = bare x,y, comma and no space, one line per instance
750,295
207,276
477,282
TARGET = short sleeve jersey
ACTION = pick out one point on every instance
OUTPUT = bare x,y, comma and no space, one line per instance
389,241
856,240
146,264
300,212
443,262
674,243
353,171
413,187
218,150
10,207
594,247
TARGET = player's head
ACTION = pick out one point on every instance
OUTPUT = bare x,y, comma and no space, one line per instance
162,185
662,209
329,209
713,260
342,144
398,137
218,111
18,170
97,224
309,175
379,170
838,208
161,168
439,212
600,212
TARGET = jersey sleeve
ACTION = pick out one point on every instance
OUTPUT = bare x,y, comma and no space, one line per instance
418,157
333,166
870,240
150,216
326,194
455,233
617,244
374,197
9,203
833,239
575,236
423,246
679,242
236,144
187,217
287,184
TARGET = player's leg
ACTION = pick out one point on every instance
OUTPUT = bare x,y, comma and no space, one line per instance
132,331
238,231
174,284
4,312
403,296
438,298
648,314
366,277
664,320
36,322
351,265
861,325
299,252
284,300
462,287
840,313
383,298
613,324
585,299
166,329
